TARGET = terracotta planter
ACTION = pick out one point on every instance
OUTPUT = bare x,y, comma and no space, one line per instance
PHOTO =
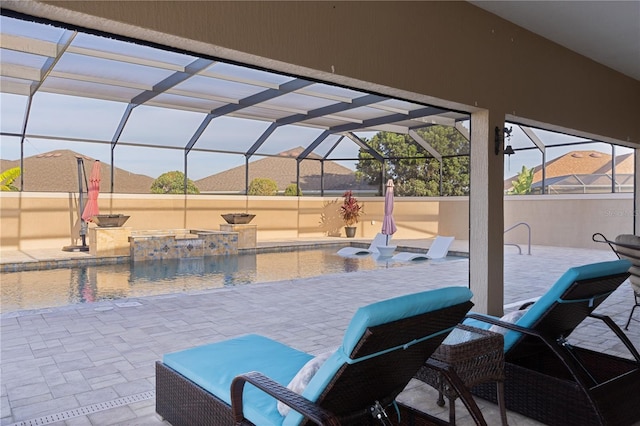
350,231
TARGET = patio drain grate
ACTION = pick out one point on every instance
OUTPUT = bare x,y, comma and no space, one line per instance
86,410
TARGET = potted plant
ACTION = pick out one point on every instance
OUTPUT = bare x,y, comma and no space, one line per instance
350,211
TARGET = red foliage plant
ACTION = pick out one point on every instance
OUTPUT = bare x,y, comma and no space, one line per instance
350,210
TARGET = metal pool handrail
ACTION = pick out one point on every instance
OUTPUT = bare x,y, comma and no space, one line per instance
529,236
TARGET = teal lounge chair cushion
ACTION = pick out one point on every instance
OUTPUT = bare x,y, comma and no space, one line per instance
542,305
375,314
214,366
398,308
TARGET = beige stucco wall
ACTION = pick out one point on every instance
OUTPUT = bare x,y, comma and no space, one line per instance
32,220
46,220
569,220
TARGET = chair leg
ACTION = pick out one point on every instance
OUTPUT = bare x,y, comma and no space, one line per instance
501,403
452,411
637,298
626,327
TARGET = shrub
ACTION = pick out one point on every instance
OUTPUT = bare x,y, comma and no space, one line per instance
263,186
293,190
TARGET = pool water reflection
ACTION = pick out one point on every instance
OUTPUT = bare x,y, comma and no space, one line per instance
66,286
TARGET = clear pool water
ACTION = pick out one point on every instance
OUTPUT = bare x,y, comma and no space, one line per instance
66,286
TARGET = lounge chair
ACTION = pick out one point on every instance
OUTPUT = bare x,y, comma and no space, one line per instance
383,347
627,246
379,240
554,382
438,250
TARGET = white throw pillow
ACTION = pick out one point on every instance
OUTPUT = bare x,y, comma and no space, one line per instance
300,381
511,317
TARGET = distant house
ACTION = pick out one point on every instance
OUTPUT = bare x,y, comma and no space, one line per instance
57,171
283,170
582,172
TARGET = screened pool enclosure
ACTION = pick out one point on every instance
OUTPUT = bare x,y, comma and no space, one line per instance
145,110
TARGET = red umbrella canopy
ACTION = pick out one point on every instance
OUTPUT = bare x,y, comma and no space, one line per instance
388,224
91,208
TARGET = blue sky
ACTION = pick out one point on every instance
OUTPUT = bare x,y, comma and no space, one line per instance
97,120
78,118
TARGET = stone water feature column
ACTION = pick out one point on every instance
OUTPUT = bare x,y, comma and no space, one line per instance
247,234
109,242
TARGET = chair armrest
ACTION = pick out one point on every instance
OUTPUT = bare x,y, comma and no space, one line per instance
503,324
561,349
526,305
458,385
611,244
614,327
296,401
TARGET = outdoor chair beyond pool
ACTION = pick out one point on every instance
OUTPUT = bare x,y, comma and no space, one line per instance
237,381
379,240
555,382
438,250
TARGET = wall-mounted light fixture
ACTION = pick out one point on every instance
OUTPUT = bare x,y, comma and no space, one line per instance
499,140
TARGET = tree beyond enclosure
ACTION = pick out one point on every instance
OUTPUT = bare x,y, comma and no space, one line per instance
173,183
522,184
8,177
414,171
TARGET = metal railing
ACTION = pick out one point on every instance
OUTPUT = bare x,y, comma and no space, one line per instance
529,237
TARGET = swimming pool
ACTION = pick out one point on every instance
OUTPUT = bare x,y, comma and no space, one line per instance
27,290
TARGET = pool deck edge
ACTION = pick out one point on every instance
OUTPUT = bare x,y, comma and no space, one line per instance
42,259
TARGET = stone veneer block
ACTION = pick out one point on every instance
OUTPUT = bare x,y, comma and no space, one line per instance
179,244
247,234
109,242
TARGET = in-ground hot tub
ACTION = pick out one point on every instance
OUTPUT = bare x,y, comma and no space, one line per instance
181,243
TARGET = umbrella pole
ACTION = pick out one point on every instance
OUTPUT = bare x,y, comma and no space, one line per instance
83,224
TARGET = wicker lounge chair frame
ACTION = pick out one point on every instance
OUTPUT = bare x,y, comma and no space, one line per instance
626,251
352,393
557,383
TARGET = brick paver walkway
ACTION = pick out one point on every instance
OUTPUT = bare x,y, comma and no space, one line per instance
94,363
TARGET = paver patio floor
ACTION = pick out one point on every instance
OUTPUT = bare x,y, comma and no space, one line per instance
100,357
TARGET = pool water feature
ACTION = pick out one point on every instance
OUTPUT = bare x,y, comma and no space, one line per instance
27,290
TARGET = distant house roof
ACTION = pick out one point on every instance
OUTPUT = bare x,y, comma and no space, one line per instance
580,169
282,169
57,171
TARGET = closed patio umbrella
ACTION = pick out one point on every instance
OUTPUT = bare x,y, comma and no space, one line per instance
93,189
388,224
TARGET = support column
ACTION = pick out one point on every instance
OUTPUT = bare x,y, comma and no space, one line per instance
636,190
486,214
